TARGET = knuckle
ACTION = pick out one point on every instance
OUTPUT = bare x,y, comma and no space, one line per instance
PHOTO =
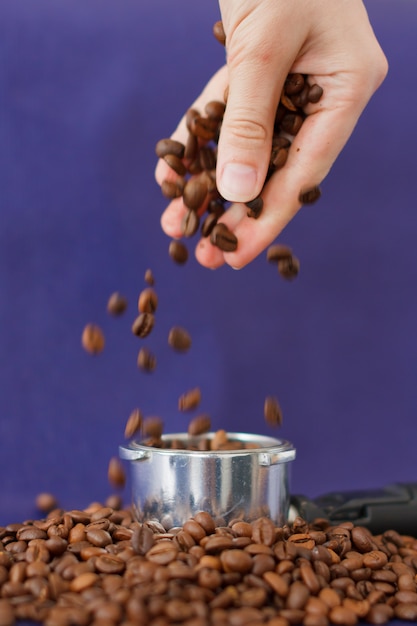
243,128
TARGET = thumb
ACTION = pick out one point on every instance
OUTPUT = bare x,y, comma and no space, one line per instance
256,71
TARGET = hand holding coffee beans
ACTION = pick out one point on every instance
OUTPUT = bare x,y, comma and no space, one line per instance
268,176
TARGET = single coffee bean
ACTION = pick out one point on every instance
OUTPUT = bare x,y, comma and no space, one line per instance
293,83
190,223
289,268
291,123
215,109
195,192
255,207
92,339
153,427
190,399
133,423
223,238
178,252
147,301
315,93
173,189
142,539
272,412
218,32
143,325
146,360
278,251
169,146
309,196
191,149
162,552
149,277
179,339
287,102
116,473
204,128
176,164
279,158
46,502
117,304
208,224
199,425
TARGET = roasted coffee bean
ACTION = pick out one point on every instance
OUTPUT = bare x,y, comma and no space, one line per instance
223,238
195,192
146,360
190,399
204,128
176,164
133,424
149,277
143,325
272,412
116,473
142,539
153,427
92,339
173,188
46,502
179,339
309,196
289,268
190,223
178,252
255,207
208,224
208,160
147,301
117,304
219,33
315,93
291,123
199,425
277,252
279,158
169,146
293,83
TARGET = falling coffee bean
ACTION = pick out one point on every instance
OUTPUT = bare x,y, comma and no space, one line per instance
149,277
116,473
178,252
179,339
190,400
133,424
278,251
199,425
153,427
272,411
147,301
143,325
117,304
146,360
92,339
46,502
289,267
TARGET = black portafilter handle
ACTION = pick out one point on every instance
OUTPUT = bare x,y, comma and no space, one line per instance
393,507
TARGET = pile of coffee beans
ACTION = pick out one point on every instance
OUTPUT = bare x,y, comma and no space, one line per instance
194,164
100,567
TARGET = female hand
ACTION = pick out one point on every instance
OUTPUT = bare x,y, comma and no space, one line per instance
330,41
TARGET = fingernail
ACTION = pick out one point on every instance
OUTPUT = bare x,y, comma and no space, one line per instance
238,182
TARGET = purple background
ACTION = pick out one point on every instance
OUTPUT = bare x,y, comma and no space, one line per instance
86,90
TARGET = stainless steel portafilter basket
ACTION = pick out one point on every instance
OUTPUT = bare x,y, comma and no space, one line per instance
172,485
